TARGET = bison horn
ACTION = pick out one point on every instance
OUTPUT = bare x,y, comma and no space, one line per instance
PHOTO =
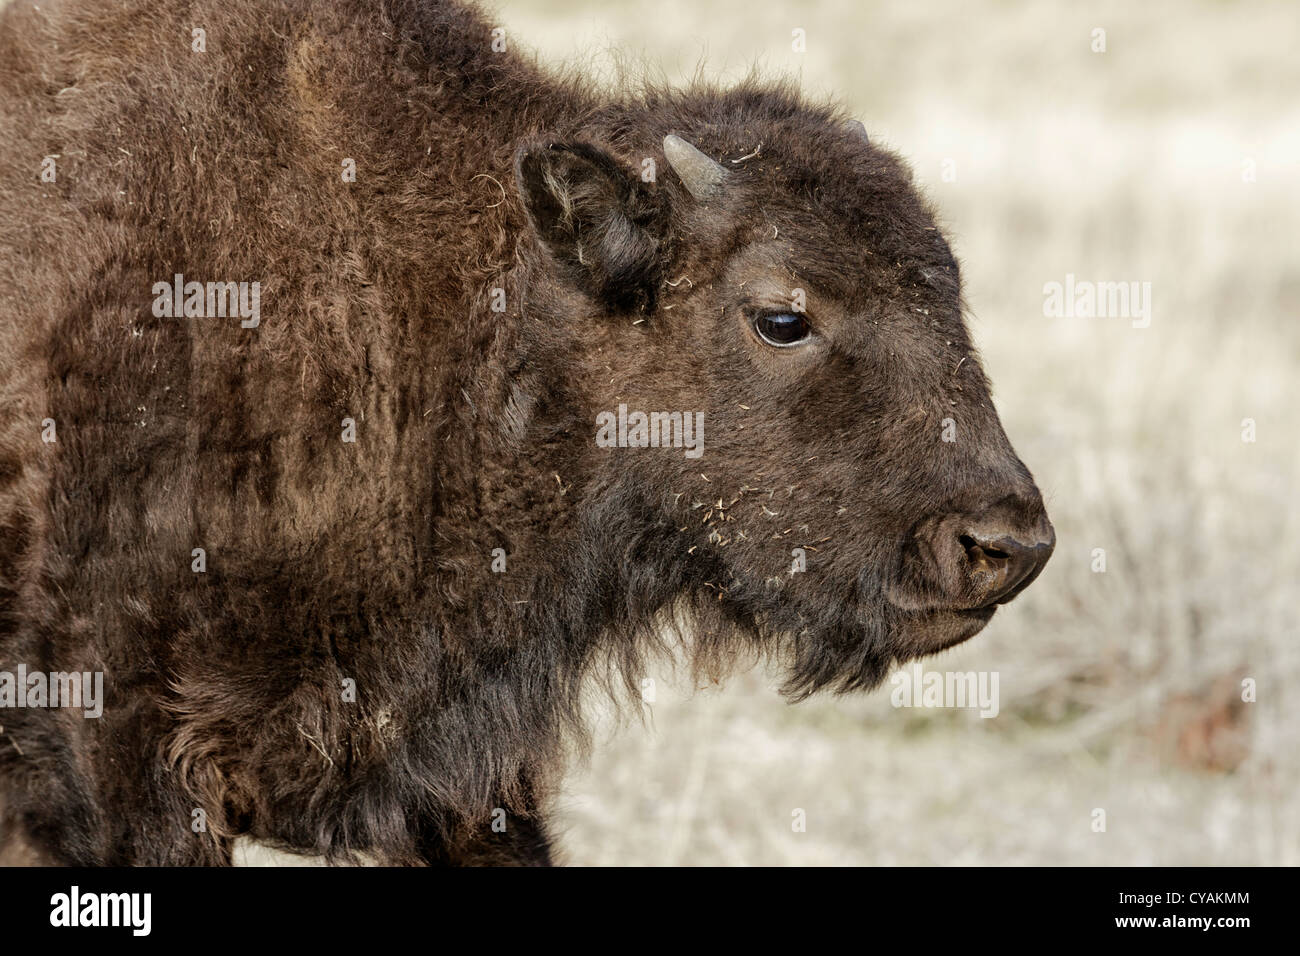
701,176
858,129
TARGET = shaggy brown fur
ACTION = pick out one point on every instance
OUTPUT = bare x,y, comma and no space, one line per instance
371,561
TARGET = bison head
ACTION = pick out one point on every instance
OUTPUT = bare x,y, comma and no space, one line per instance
853,499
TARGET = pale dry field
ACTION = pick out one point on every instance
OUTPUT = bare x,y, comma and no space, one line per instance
1119,690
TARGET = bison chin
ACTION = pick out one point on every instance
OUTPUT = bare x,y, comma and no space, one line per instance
934,631
840,648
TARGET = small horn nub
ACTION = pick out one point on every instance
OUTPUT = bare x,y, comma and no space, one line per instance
701,176
858,129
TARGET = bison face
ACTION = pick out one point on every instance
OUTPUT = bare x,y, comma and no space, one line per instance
852,499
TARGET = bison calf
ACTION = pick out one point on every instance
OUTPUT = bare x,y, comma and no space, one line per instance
367,389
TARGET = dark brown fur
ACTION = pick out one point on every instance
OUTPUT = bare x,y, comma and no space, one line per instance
371,561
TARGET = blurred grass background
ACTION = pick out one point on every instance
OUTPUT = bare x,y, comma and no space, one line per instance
1119,690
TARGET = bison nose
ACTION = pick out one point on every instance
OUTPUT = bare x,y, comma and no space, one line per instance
1001,563
973,560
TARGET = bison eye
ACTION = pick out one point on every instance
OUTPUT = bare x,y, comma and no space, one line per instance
782,329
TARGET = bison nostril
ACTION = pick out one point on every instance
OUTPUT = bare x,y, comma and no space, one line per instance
977,551
1005,564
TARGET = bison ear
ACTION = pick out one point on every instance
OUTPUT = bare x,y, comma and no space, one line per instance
595,220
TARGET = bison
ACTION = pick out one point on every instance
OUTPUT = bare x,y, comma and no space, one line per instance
369,390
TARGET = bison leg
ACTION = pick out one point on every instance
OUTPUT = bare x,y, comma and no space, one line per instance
16,849
517,841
